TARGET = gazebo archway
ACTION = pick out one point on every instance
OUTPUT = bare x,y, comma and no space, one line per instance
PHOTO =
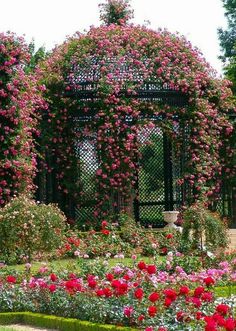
104,87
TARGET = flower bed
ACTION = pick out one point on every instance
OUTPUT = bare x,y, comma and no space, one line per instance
136,297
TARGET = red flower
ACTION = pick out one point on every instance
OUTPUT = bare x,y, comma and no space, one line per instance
72,276
180,316
199,315
196,302
151,269
109,277
104,224
142,265
67,247
72,285
170,294
107,292
126,277
154,296
52,288
209,281
222,309
184,290
92,283
164,250
167,302
219,319
210,324
198,291
100,292
230,324
11,279
122,289
152,310
53,277
115,283
169,236
141,318
162,328
207,296
105,232
138,293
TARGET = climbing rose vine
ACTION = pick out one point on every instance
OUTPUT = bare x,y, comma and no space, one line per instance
19,101
123,58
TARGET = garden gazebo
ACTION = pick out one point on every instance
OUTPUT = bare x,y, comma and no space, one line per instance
135,124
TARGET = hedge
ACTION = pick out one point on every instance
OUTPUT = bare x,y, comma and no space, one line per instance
54,322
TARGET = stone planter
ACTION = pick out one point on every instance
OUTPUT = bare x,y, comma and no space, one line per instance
170,217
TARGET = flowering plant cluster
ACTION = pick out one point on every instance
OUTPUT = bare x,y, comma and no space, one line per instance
28,229
19,101
125,58
122,296
130,239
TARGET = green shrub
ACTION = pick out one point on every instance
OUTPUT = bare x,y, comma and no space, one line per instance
27,227
203,228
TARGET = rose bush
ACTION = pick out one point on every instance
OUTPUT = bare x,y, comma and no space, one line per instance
28,229
124,296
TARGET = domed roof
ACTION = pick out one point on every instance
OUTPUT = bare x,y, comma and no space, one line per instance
134,61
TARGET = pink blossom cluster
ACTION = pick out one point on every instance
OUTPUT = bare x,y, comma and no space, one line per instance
19,101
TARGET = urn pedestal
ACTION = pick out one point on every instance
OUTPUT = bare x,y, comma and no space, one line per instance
170,217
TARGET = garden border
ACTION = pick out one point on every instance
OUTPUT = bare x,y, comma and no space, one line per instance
73,324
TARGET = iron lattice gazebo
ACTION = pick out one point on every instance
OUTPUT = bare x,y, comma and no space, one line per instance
159,167
84,87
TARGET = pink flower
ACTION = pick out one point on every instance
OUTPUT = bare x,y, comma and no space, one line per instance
128,311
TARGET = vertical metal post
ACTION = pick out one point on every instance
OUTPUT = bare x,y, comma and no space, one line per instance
168,175
136,200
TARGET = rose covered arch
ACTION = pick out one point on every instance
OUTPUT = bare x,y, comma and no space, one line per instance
121,77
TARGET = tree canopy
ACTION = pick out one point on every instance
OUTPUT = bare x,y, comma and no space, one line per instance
228,41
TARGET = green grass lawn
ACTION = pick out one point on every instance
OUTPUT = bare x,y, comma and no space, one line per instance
72,264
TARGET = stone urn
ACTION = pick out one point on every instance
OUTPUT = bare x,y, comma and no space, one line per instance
170,217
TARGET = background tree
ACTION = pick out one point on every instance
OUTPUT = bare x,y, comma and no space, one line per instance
228,45
228,41
35,56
